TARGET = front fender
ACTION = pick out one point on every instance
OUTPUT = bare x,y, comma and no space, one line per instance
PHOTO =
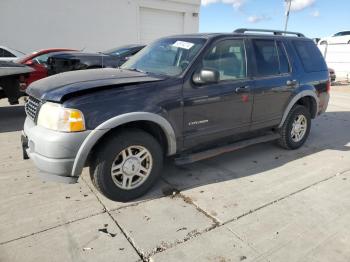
114,122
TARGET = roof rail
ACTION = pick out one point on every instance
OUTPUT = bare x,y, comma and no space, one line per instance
275,32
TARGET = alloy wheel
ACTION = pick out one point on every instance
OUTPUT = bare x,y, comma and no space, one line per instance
299,128
131,167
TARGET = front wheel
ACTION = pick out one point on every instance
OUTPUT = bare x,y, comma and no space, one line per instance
127,165
296,128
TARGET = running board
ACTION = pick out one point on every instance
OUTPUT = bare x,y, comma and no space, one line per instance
191,158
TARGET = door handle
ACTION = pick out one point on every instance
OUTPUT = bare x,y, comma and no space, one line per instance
292,82
243,89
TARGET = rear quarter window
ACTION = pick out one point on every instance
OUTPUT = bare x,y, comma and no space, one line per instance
310,56
8,54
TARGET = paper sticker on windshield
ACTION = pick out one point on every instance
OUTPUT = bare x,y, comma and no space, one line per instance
183,44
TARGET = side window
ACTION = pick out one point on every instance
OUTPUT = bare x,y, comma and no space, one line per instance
283,58
266,57
228,58
1,52
8,54
310,56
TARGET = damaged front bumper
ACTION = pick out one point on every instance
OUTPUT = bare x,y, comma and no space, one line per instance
52,152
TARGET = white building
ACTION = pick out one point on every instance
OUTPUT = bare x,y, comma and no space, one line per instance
337,57
95,25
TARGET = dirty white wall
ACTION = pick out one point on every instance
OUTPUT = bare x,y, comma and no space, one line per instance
338,57
95,25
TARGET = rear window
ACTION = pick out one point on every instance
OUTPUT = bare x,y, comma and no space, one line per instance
5,53
310,56
8,54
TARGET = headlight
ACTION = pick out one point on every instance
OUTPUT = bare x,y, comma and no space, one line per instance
56,117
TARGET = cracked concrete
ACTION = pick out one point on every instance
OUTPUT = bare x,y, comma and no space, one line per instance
261,203
173,218
77,241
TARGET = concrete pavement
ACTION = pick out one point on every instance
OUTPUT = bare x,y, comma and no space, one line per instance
261,203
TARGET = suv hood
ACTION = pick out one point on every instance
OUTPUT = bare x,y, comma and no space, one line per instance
56,87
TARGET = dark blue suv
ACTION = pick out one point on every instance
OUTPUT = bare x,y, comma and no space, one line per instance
187,96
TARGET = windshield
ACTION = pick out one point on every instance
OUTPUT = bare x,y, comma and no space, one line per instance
342,33
24,58
117,51
169,56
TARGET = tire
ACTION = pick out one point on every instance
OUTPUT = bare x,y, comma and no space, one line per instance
288,140
133,176
10,89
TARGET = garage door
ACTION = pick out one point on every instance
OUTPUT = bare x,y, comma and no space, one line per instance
156,23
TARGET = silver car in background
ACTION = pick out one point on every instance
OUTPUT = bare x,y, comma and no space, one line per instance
9,54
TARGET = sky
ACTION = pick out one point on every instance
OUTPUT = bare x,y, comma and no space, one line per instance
314,18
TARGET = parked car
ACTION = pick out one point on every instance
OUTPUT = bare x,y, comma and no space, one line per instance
38,61
11,75
70,61
342,37
332,74
9,54
188,96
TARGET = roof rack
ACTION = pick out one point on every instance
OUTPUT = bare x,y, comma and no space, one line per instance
275,32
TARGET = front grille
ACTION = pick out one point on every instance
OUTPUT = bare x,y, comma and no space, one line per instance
32,107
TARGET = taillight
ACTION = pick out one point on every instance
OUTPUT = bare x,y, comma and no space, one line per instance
328,88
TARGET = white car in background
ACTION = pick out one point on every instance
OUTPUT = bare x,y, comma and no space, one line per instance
342,37
8,54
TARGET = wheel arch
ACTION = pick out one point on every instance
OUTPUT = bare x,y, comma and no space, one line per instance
307,98
144,120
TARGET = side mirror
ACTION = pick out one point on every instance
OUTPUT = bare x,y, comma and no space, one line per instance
206,76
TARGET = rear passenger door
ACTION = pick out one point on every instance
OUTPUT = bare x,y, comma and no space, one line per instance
273,82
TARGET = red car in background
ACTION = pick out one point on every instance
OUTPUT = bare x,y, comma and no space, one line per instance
38,61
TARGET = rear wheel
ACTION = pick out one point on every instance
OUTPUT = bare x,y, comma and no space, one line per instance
127,165
296,128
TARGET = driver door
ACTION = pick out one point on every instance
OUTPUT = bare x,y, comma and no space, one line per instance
213,111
